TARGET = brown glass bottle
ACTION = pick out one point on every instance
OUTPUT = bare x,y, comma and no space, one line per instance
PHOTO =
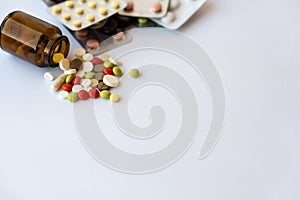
32,39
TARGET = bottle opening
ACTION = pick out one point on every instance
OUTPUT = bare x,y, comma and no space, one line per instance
61,46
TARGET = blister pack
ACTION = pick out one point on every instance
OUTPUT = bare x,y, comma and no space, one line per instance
80,14
146,8
179,12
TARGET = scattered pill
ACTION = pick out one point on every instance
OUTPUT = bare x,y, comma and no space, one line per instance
70,71
89,75
96,61
86,82
64,64
76,80
134,73
156,7
58,82
63,94
77,88
94,93
90,17
101,86
67,87
88,66
103,11
110,81
117,71
79,11
70,78
92,44
83,95
115,4
104,57
114,97
104,94
92,4
48,76
88,57
57,57
113,61
56,9
99,68
77,23
69,4
67,16
72,97
108,71
79,52
76,64
108,64
80,73
99,76
119,36
94,83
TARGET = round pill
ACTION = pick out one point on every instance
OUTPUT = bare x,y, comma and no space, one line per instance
119,36
170,17
72,97
104,94
117,71
69,4
67,87
104,57
113,61
101,86
76,80
108,71
90,17
96,61
82,33
63,94
89,75
92,4
64,64
174,4
110,81
94,83
156,7
56,9
80,73
77,23
114,97
105,1
99,76
115,4
88,66
82,1
83,95
94,93
70,71
70,78
57,57
86,82
103,11
108,64
88,57
134,73
48,76
142,21
76,64
99,68
77,88
79,11
129,6
92,44
67,16
79,52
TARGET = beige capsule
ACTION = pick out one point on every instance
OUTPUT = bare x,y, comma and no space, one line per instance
58,82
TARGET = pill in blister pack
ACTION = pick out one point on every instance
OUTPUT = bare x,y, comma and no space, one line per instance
80,14
146,8
179,12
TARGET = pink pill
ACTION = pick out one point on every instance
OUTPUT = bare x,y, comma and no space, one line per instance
129,6
92,44
156,7
96,61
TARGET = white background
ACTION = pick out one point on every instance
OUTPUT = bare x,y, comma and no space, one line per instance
255,45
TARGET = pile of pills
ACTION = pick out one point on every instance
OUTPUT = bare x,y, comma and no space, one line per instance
87,77
80,14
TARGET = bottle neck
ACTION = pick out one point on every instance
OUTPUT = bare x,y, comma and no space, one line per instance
57,44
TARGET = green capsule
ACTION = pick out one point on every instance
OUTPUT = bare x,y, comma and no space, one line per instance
70,78
117,71
108,64
104,94
72,97
134,73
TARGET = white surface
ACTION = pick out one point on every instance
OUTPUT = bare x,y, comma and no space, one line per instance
255,45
